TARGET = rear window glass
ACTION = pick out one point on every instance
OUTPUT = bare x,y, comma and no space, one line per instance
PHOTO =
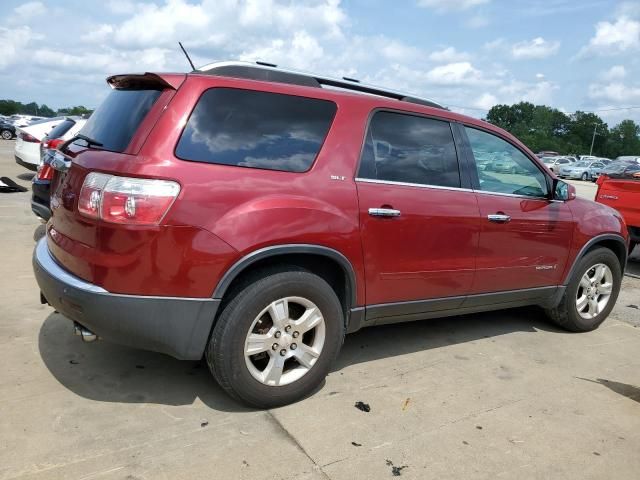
60,129
118,117
410,149
253,129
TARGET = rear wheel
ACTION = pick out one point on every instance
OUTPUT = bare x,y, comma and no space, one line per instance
275,341
6,134
591,294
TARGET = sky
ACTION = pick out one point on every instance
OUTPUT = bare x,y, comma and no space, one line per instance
466,54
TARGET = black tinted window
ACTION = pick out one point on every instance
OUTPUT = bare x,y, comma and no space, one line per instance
118,117
60,129
256,129
410,149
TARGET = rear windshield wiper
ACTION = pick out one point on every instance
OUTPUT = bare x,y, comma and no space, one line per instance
90,141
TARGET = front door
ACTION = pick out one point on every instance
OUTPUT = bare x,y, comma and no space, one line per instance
419,226
525,236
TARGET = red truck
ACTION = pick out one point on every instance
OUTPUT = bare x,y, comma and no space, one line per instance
250,215
619,187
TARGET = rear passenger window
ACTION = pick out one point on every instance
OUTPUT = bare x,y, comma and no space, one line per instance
410,149
253,129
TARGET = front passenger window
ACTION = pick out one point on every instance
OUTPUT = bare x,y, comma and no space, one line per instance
502,168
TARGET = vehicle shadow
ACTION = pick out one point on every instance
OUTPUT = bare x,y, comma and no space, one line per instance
108,372
26,176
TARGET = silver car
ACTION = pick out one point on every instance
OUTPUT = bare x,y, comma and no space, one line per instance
584,170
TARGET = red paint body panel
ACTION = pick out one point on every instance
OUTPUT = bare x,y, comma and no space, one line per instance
427,252
529,251
622,195
441,246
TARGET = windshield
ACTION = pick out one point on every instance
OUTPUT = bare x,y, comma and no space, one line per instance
548,160
115,121
581,164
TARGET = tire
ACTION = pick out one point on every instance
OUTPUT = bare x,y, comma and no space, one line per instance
6,134
585,177
566,314
240,374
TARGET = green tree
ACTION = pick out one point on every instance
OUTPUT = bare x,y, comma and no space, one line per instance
624,139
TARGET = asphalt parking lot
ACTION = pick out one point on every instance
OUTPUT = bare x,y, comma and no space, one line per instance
495,395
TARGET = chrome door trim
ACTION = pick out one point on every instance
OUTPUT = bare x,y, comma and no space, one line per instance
499,218
384,212
406,184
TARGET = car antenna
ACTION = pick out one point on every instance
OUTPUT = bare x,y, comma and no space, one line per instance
187,55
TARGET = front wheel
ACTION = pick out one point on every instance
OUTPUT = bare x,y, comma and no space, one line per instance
6,134
591,294
585,176
275,341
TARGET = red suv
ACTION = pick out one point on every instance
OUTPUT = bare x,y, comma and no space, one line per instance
245,213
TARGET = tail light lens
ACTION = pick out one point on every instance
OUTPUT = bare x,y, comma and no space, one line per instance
131,201
28,138
45,172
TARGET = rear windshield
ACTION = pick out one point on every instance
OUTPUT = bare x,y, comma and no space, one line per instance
118,117
253,129
60,129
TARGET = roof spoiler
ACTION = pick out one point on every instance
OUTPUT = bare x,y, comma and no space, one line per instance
151,81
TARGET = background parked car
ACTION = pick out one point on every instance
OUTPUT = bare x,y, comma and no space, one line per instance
554,163
7,130
27,149
41,185
620,169
584,170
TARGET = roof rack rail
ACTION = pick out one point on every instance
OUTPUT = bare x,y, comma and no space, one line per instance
270,72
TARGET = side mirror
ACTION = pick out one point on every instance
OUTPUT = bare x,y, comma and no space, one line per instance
563,191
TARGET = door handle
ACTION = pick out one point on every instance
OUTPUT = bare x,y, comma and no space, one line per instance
499,218
384,212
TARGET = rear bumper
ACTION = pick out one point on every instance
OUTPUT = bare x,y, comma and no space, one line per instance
176,326
30,166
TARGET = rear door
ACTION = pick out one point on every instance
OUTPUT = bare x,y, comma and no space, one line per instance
525,236
419,224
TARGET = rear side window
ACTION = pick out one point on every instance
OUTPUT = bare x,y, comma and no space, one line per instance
60,129
410,149
118,117
253,129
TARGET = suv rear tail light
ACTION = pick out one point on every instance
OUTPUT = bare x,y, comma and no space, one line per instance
28,138
45,172
131,201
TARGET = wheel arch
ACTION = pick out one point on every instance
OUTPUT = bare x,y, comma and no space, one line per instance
326,262
613,242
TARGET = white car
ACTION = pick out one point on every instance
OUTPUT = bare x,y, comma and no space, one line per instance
27,149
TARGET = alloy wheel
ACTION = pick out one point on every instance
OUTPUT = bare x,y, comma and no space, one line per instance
284,341
594,291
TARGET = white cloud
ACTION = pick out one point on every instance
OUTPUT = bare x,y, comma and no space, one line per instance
13,42
614,73
617,37
451,5
486,101
28,10
616,92
458,73
536,48
448,55
540,76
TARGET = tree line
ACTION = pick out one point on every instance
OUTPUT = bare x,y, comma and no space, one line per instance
11,107
545,128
